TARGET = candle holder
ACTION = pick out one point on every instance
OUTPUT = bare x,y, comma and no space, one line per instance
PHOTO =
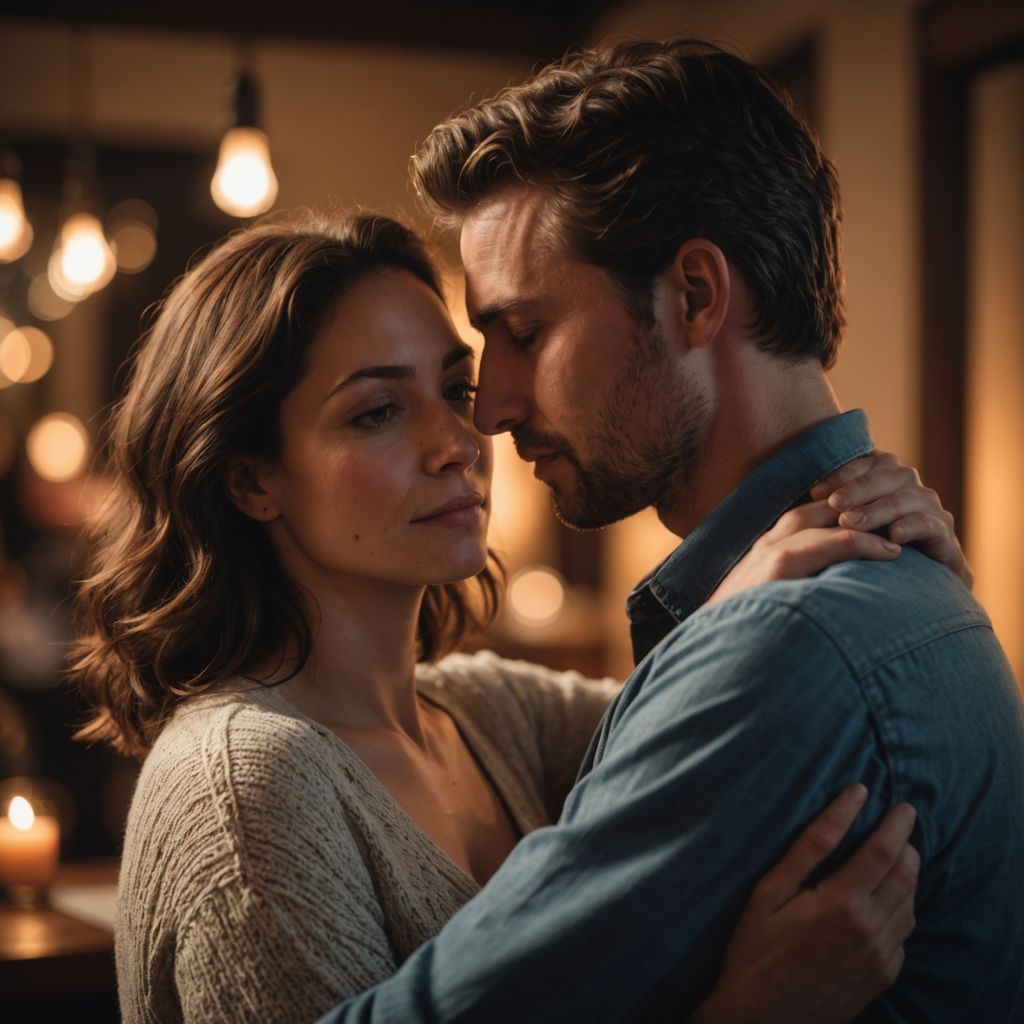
29,839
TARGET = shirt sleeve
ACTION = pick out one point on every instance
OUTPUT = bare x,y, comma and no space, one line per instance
290,925
730,736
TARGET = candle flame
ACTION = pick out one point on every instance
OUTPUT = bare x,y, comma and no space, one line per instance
21,814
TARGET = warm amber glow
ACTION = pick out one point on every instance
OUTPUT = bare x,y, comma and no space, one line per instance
994,422
20,814
6,327
132,210
536,596
62,287
132,224
25,355
244,183
522,526
135,244
44,302
15,356
15,230
86,260
58,447
29,845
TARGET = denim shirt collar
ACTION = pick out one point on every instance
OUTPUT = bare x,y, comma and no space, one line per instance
688,577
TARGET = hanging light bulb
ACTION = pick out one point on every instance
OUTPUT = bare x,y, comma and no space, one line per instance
82,261
15,230
86,261
244,183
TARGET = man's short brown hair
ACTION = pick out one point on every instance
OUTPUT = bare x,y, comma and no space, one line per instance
644,145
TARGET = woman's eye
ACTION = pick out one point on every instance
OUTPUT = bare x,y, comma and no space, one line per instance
461,393
380,416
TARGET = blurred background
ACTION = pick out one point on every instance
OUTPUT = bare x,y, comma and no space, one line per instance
119,111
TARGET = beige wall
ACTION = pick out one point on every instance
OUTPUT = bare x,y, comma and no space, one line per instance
995,370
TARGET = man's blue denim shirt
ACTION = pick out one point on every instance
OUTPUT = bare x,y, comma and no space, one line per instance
740,722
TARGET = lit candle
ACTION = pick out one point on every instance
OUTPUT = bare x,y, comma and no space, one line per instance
29,845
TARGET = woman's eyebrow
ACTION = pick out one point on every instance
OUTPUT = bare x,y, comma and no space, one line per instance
397,371
456,355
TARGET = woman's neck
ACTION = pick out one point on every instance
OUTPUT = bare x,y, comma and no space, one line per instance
361,669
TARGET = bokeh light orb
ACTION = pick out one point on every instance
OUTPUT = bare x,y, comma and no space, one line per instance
44,302
536,595
58,447
26,354
135,246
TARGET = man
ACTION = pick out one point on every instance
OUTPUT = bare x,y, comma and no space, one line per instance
650,239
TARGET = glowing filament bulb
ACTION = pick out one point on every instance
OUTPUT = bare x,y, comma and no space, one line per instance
244,183
86,260
15,230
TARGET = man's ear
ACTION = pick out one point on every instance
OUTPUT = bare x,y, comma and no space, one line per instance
245,481
701,290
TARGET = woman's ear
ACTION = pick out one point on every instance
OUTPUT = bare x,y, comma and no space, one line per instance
246,484
701,289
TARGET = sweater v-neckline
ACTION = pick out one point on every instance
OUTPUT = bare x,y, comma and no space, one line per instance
490,766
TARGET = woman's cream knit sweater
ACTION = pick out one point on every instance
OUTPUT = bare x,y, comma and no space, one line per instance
267,875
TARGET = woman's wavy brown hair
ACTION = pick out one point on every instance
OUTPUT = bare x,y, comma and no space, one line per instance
184,590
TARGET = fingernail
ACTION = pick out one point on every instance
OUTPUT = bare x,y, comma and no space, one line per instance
854,518
893,549
839,500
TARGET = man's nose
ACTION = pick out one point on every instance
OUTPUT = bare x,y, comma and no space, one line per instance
503,392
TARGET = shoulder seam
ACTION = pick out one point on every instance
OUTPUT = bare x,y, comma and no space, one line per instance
224,794
953,623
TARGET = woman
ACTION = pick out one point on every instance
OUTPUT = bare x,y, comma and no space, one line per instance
301,499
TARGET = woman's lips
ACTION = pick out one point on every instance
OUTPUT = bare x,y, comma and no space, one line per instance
465,511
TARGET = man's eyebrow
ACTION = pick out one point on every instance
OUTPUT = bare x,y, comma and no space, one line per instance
395,371
482,317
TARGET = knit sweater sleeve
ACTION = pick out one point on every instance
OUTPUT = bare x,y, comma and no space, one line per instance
277,917
251,956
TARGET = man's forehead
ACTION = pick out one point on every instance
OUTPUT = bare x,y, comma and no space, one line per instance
516,219
505,245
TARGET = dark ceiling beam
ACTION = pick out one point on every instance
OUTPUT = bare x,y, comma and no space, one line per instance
527,28
961,35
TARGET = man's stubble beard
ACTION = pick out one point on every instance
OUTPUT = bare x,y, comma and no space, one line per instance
645,453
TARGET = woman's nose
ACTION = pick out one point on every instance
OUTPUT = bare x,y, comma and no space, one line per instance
454,443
